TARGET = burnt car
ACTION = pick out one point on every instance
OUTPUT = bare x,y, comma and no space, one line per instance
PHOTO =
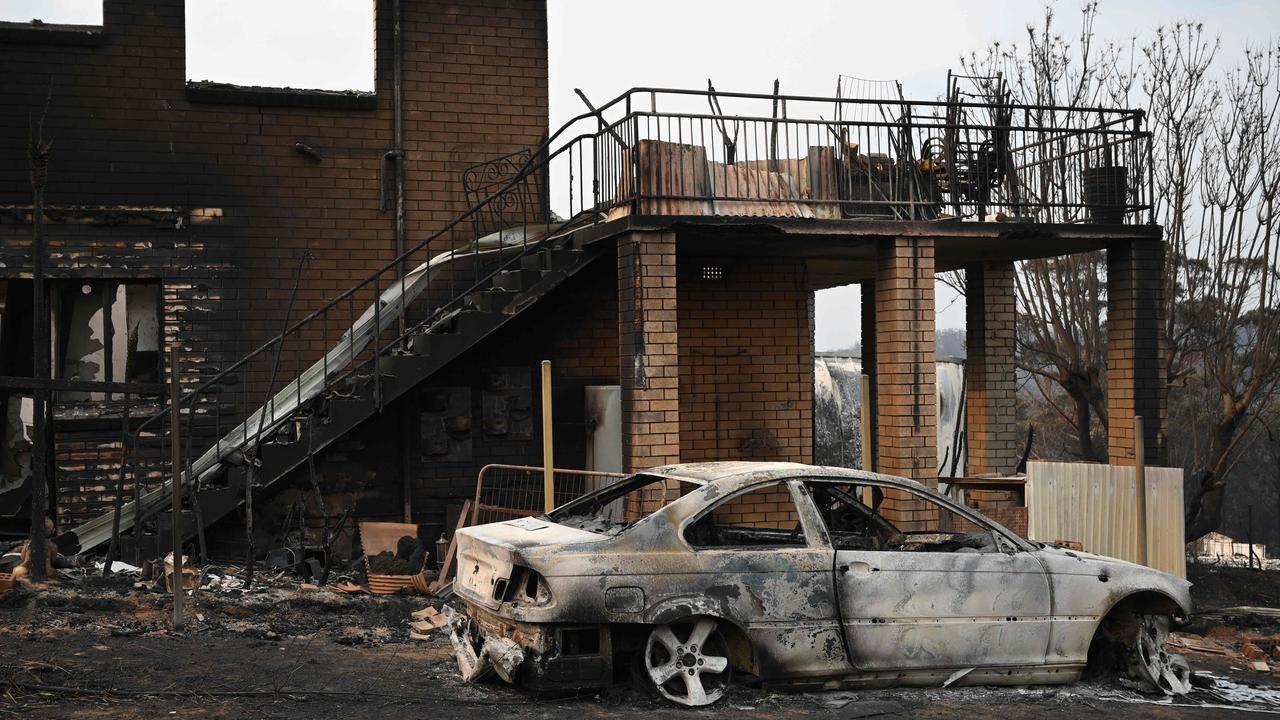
685,575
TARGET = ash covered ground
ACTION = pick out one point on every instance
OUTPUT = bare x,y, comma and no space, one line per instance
100,647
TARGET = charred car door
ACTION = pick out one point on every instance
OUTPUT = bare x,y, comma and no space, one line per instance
759,560
926,585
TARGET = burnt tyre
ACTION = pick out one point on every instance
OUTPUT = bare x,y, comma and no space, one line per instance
1150,659
687,663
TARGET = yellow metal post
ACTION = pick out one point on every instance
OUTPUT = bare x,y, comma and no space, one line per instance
548,460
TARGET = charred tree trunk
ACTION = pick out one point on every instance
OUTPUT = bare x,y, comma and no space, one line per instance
1204,509
1079,390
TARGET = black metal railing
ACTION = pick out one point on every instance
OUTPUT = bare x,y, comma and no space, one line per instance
657,151
832,158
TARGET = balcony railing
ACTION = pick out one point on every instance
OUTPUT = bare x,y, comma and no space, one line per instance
699,153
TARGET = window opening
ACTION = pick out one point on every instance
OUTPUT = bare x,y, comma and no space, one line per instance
865,517
763,517
297,44
106,331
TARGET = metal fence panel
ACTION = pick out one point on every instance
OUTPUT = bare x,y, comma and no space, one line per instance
1096,505
508,492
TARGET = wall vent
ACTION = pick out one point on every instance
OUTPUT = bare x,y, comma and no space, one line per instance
712,272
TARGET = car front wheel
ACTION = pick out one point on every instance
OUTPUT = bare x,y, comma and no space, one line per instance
1151,660
688,662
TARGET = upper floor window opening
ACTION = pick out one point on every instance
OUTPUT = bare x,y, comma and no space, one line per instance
52,12
324,45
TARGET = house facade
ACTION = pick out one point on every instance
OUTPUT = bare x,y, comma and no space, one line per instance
361,287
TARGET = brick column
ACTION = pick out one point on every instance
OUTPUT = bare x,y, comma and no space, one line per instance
991,412
649,349
868,289
905,360
1136,383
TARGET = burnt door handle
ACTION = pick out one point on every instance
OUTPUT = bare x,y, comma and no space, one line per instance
858,569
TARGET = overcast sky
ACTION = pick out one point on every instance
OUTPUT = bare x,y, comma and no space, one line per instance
607,46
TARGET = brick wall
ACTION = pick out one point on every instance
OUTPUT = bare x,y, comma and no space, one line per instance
905,372
1007,507
1135,350
867,291
1013,518
905,363
991,386
767,507
746,361
648,358
129,135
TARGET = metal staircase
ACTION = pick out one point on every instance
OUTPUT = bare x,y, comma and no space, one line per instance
399,326
331,416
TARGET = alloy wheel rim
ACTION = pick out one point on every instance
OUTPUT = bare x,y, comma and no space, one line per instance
688,665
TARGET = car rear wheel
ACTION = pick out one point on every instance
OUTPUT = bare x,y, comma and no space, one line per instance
688,662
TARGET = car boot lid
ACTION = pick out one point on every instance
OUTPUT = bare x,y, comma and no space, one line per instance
528,532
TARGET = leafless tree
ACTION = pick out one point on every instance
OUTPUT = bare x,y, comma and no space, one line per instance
1061,341
1181,100
1231,297
1061,334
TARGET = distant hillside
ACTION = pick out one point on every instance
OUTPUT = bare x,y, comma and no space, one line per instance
949,343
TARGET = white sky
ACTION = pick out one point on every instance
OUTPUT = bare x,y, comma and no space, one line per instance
607,46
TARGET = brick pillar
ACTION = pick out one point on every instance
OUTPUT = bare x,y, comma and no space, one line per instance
905,360
649,352
1136,383
868,288
991,412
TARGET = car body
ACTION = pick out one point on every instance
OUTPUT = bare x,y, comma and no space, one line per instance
831,595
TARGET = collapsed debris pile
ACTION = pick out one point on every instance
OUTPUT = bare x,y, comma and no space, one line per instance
389,563
1244,636
128,604
479,656
427,620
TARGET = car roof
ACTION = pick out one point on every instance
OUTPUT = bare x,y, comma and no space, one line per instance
731,475
728,477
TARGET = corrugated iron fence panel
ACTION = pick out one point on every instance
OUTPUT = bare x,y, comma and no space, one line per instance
1097,505
1166,520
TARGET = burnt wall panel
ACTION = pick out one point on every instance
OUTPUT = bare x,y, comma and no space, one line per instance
746,360
211,199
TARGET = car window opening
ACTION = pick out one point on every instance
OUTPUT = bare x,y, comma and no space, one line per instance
764,517
613,509
863,517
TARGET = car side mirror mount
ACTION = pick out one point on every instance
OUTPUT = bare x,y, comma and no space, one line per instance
1003,544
